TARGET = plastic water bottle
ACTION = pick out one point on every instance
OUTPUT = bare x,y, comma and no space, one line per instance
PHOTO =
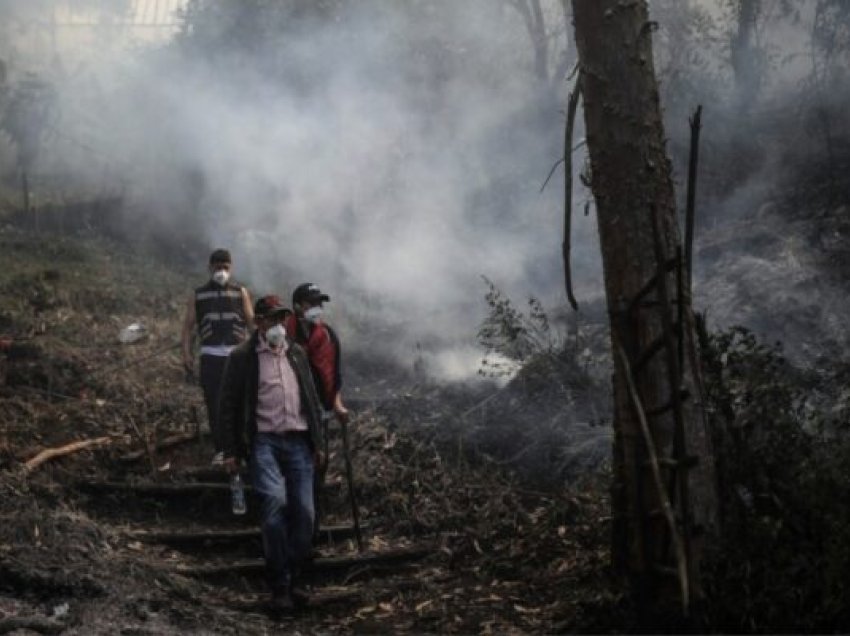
132,333
237,495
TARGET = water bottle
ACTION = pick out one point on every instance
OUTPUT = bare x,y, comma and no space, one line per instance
237,495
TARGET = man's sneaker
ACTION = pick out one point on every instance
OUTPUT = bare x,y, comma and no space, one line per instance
218,459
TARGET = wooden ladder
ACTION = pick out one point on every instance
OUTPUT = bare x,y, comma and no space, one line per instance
667,471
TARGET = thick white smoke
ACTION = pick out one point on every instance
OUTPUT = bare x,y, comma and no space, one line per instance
391,180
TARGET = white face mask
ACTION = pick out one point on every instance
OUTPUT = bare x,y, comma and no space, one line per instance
221,276
313,314
275,336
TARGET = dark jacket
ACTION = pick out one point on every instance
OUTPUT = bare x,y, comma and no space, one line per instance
239,390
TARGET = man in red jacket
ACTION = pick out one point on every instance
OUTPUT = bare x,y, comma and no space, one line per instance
307,328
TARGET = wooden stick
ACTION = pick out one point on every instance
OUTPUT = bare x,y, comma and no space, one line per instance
675,374
566,247
349,475
51,453
666,508
690,210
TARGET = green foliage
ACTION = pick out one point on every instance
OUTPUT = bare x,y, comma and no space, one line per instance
785,497
512,337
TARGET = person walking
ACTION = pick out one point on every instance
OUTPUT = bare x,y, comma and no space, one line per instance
307,327
219,313
270,415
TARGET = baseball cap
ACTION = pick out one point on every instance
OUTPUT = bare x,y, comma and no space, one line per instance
269,306
310,293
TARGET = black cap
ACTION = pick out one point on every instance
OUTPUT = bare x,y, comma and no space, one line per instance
269,306
310,293
220,255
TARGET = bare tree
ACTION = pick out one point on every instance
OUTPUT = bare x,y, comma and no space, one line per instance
664,495
24,120
745,56
545,38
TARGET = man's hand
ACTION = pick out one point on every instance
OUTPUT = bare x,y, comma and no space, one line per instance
342,413
319,460
231,465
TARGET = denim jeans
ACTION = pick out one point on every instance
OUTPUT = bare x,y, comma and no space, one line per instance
282,473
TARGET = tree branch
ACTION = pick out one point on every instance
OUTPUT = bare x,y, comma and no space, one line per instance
51,453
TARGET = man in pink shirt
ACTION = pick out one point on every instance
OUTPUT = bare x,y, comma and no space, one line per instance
270,414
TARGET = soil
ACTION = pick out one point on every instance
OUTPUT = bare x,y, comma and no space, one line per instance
124,537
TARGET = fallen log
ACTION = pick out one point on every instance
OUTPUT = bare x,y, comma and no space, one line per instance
319,565
168,442
52,453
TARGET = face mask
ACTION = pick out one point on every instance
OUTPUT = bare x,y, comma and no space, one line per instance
313,314
275,336
221,276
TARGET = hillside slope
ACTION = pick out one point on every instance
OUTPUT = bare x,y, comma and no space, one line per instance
501,557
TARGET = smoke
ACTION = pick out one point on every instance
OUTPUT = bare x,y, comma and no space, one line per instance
390,152
772,145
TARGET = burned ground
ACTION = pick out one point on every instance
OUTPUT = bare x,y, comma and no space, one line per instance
117,538
485,507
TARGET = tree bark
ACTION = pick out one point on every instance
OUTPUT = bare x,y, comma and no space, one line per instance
632,185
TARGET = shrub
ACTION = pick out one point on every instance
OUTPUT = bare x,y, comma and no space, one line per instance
511,337
785,502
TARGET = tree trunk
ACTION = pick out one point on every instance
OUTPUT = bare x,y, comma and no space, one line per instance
638,227
744,55
535,24
541,44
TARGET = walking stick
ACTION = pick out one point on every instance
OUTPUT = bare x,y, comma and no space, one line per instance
319,484
349,474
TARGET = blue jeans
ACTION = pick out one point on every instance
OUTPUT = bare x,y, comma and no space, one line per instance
282,472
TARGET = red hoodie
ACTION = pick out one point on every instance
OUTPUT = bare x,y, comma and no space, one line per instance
322,354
